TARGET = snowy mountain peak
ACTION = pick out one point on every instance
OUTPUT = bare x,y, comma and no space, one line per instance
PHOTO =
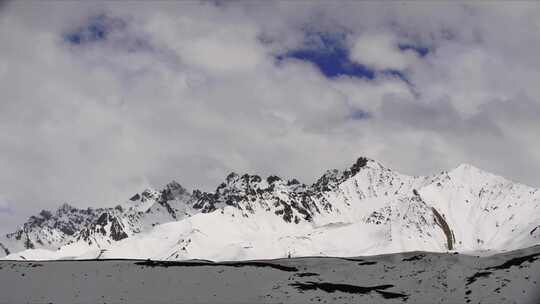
362,168
363,209
468,169
365,162
147,194
477,179
175,187
65,208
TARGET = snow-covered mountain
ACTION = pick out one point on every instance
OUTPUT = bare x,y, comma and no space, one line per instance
365,209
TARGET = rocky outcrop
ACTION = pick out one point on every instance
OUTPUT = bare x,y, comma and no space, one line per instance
441,222
107,226
5,249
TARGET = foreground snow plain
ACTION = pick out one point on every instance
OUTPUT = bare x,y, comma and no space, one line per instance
411,277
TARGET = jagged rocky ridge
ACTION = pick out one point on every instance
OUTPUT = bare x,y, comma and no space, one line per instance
365,209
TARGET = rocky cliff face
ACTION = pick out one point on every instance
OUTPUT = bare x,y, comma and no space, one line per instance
363,209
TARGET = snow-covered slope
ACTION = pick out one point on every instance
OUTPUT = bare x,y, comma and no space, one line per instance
365,209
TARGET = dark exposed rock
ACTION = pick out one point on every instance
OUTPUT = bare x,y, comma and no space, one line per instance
516,261
379,217
293,181
272,178
417,257
360,163
367,263
45,214
146,195
204,201
117,230
332,178
327,181
306,274
174,188
28,243
167,206
152,263
346,288
441,222
535,230
103,219
67,230
5,249
474,277
65,208
172,191
231,176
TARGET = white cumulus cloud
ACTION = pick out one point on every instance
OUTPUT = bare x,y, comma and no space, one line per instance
192,91
381,51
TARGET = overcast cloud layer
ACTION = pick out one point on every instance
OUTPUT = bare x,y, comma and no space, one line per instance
192,91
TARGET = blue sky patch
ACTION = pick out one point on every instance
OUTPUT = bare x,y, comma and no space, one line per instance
420,50
330,54
360,115
397,73
97,28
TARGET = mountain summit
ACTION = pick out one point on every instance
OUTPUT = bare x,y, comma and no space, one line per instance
364,209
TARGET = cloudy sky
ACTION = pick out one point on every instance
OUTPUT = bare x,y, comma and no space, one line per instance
101,100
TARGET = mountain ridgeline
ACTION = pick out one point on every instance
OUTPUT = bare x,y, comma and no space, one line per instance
364,209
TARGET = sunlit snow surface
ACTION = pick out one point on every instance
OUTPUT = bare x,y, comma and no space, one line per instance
413,277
